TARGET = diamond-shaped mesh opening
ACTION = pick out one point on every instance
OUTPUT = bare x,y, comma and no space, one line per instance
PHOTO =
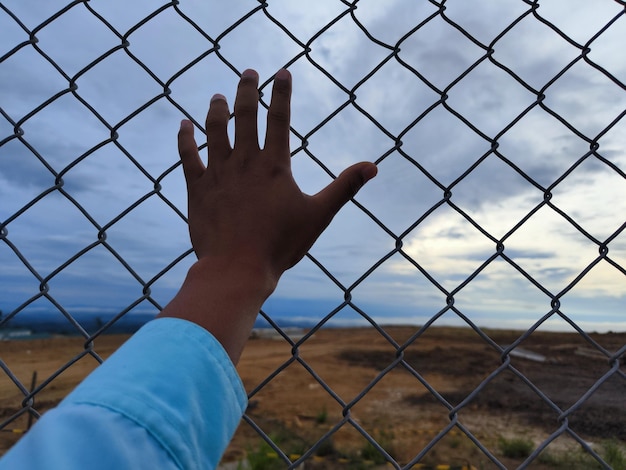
355,129
392,106
345,52
323,13
399,177
13,30
122,23
440,61
167,34
132,138
464,251
489,98
20,280
327,292
443,145
351,232
390,25
47,132
596,182
549,55
16,162
568,450
27,67
44,244
603,401
517,299
120,235
120,288
553,272
488,201
612,141
545,155
116,171
127,80
584,84
600,284
484,25
569,23
63,39
604,47
188,88
447,314
399,285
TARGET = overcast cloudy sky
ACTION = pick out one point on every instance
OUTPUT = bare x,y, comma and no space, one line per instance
476,116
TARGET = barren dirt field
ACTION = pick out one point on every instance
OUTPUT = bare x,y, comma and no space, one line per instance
296,409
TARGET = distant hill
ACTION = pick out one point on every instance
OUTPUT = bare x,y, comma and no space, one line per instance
50,322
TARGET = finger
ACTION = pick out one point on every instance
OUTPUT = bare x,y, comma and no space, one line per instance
334,196
188,151
217,129
278,116
246,107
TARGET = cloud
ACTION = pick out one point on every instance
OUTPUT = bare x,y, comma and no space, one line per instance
422,148
545,247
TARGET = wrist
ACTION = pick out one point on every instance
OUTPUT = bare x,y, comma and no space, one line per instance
224,297
244,277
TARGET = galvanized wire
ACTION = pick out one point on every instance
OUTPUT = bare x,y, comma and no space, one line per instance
213,47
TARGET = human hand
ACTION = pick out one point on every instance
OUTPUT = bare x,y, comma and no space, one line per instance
245,209
248,220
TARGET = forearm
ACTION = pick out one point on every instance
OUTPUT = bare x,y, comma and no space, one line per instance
224,297
168,398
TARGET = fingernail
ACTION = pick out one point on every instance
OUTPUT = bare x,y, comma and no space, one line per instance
283,74
185,124
218,96
249,73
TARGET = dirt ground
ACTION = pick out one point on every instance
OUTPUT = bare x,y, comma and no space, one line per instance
341,383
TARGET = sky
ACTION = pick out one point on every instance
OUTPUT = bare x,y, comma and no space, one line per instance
446,103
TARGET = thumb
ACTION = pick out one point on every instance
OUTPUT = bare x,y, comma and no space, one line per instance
334,196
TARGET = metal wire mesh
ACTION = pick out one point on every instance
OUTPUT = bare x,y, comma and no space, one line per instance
216,44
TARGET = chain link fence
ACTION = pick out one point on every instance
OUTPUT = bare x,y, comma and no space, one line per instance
463,60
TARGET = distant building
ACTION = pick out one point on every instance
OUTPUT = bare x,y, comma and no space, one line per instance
9,334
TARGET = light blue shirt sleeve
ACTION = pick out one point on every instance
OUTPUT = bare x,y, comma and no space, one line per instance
169,398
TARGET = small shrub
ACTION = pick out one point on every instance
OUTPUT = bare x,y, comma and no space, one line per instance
549,458
454,442
371,453
326,448
516,447
263,457
579,459
322,416
613,455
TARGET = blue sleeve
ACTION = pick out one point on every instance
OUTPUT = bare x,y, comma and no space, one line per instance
169,398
